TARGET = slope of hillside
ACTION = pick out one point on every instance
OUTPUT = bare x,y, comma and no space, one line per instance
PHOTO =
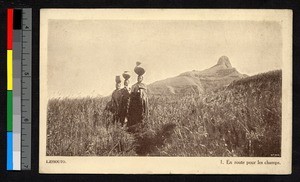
247,114
198,82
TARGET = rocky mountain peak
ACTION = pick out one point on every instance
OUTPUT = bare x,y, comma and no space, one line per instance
224,60
198,82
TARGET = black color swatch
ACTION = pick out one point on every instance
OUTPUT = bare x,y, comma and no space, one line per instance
17,19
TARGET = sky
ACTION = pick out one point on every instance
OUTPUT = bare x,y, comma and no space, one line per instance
84,56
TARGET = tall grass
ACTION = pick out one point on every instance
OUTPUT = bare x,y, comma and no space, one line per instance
242,119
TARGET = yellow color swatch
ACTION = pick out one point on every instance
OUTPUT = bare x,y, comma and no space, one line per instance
9,69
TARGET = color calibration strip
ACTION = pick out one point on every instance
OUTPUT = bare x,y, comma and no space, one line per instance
10,16
18,89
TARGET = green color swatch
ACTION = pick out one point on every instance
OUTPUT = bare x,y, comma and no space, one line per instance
9,110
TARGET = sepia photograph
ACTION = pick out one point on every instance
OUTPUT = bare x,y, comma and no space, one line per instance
197,91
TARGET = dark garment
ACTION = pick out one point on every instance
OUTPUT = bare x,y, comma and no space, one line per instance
124,105
138,107
115,102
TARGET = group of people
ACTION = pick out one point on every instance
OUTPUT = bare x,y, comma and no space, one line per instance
130,105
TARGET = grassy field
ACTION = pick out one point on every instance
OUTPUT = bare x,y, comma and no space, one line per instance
242,119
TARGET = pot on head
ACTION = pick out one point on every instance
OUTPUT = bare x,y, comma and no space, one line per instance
126,75
138,69
118,79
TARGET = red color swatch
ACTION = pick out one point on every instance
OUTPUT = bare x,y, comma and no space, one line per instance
10,17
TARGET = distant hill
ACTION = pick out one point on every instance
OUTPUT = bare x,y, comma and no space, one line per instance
198,82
